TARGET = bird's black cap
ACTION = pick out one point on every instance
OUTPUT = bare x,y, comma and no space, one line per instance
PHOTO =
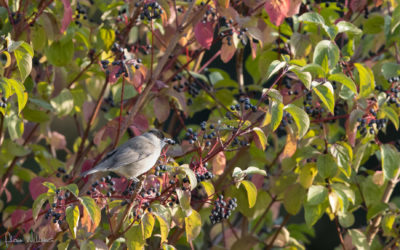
157,133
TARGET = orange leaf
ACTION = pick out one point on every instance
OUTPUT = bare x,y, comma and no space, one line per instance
218,163
290,147
277,10
87,222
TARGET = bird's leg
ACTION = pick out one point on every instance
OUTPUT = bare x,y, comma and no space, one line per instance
134,184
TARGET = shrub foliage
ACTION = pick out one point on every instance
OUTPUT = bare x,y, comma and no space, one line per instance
273,104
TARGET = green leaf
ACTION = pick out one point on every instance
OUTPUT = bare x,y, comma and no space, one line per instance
373,24
108,37
19,91
349,28
390,70
209,188
312,17
346,219
24,60
358,239
312,213
325,93
304,77
343,155
300,118
261,137
72,214
390,158
274,67
326,166
293,199
307,174
274,115
317,194
254,170
164,228
15,126
35,115
184,201
376,209
134,238
73,188
315,69
93,210
191,175
192,225
366,80
60,53
38,203
343,79
147,225
391,114
63,103
251,192
326,48
51,187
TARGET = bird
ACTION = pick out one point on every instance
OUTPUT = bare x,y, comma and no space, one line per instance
133,158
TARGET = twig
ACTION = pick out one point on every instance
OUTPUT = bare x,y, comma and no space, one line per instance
263,215
271,244
91,120
339,233
239,69
120,114
374,225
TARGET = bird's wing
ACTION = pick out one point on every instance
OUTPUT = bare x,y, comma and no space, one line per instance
127,155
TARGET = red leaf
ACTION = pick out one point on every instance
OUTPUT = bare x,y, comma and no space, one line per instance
161,108
141,122
357,5
258,180
227,52
57,140
36,188
87,165
19,216
120,184
111,77
204,33
67,18
277,10
218,163
294,7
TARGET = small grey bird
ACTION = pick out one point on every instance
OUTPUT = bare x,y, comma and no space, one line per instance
135,157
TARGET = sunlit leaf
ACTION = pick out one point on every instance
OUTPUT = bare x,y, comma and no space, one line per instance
72,216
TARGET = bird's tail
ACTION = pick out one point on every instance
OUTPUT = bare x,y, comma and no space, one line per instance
91,171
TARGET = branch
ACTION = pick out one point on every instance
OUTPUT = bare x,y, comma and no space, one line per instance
271,244
339,233
374,225
239,69
91,120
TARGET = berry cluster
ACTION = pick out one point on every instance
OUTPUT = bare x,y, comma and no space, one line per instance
242,143
160,168
62,173
80,12
191,135
287,119
222,209
122,15
104,182
209,16
245,104
369,123
3,103
56,206
205,176
150,11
